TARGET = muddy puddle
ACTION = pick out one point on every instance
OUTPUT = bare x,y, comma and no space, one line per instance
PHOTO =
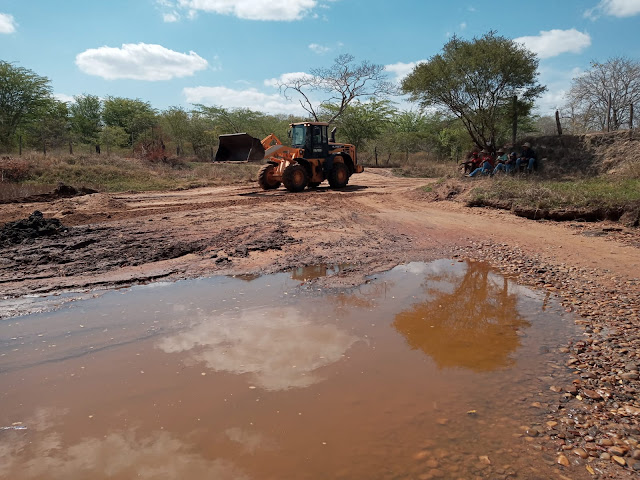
426,371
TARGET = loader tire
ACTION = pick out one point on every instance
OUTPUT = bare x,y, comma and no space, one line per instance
295,178
265,177
339,176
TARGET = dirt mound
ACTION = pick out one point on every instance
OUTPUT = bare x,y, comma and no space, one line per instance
61,191
612,153
33,227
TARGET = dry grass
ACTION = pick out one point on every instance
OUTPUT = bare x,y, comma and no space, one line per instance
425,165
606,192
114,173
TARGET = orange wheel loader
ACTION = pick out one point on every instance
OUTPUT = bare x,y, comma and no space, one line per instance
311,159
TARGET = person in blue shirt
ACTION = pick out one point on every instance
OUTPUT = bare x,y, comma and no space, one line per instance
527,157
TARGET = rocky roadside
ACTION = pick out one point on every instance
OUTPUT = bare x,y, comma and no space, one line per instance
595,419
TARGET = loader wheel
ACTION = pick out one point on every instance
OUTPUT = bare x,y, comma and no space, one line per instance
265,177
339,176
295,178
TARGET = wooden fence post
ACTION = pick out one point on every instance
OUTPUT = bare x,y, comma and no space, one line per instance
70,148
609,114
515,120
558,124
20,144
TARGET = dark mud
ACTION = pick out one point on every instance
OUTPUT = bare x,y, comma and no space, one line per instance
35,226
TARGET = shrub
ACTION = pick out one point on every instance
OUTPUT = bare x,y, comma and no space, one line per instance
13,170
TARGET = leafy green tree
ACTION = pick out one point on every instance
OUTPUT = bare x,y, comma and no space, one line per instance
476,81
232,120
134,116
51,126
112,137
22,94
201,135
176,121
86,118
360,122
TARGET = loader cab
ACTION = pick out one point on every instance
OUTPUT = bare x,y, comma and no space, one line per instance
312,137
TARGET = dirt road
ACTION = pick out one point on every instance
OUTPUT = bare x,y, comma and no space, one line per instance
377,222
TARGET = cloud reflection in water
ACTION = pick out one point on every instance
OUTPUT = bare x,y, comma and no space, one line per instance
160,455
278,347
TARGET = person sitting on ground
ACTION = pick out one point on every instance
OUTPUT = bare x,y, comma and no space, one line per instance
527,157
502,160
487,165
471,163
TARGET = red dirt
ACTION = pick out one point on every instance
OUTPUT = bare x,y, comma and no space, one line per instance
377,222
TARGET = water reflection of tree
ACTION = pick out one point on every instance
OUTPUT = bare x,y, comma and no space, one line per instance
473,324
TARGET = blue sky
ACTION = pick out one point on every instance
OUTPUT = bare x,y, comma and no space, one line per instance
229,52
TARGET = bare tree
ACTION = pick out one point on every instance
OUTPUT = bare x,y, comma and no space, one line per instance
342,82
603,95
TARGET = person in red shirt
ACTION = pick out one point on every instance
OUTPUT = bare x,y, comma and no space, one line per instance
487,164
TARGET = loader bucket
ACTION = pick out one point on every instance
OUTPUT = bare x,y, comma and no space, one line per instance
239,147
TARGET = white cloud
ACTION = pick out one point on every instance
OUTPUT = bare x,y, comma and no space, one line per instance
555,42
249,98
7,23
62,97
319,49
286,78
171,17
463,26
401,70
274,10
139,62
615,8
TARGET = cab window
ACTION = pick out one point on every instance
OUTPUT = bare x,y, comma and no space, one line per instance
298,135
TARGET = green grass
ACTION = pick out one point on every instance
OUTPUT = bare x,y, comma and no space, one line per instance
550,194
115,174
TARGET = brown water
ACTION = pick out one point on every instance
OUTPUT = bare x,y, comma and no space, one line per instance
222,378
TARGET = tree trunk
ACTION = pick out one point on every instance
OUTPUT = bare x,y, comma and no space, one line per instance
558,124
375,152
